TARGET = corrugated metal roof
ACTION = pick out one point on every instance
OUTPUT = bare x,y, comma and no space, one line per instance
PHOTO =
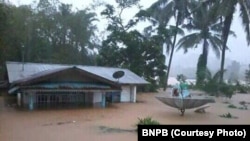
39,74
18,71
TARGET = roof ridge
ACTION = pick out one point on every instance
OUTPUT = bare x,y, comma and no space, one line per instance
105,67
66,65
34,63
37,69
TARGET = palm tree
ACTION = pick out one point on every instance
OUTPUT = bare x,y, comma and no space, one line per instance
162,12
246,4
212,82
227,10
204,29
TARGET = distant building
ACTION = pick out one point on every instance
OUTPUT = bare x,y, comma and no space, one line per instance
40,85
172,81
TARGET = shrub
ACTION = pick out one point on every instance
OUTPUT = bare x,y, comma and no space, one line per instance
148,88
228,115
147,121
231,106
241,88
227,90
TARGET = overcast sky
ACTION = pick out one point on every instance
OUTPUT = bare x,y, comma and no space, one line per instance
238,46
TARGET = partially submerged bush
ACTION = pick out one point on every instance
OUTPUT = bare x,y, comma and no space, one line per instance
231,106
216,89
147,121
228,115
213,86
243,108
227,90
244,105
241,88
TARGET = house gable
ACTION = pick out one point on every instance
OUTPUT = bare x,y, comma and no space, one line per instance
18,71
66,75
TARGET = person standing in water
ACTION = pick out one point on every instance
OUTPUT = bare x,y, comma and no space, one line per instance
184,89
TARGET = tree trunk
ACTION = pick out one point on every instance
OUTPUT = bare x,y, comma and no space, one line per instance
171,54
225,33
202,65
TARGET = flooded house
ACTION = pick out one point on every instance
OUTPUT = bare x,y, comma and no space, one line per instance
50,85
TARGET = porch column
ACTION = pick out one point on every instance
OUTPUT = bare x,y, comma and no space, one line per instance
19,99
103,99
31,101
134,94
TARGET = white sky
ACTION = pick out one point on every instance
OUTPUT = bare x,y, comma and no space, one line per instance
238,46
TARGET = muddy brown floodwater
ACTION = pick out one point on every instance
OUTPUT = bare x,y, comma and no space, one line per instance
116,122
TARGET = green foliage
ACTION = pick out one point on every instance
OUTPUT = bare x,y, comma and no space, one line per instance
241,88
4,25
232,106
127,3
159,14
211,88
181,77
139,54
51,33
211,84
228,115
149,88
204,22
214,87
130,49
227,90
147,121
201,70
247,75
243,108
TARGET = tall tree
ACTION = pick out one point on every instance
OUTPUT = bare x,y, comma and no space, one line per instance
67,33
51,32
204,29
19,30
162,12
4,12
246,4
129,48
227,10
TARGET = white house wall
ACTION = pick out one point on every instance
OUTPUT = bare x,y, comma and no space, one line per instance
128,93
125,94
97,97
